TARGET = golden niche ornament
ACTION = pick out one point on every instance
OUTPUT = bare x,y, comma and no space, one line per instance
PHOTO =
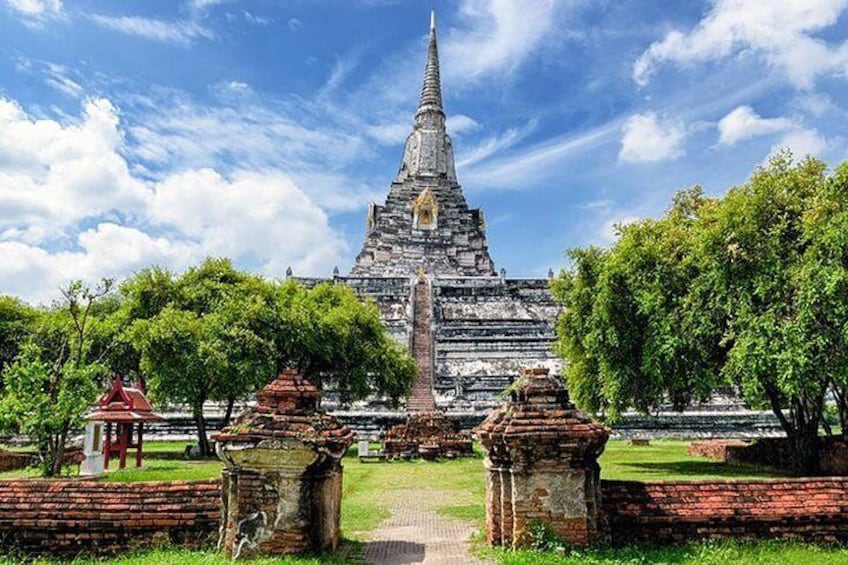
425,211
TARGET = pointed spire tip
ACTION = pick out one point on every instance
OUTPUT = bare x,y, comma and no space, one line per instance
432,20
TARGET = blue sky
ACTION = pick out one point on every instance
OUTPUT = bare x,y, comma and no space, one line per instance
134,133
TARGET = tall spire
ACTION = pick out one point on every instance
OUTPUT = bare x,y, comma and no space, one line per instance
428,151
431,92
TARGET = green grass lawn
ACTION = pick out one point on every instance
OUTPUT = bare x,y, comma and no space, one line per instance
664,459
362,511
163,470
175,556
702,553
668,460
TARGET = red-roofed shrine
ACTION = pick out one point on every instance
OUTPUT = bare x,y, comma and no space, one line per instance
123,408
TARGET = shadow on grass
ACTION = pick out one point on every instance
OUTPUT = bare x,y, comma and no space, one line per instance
394,551
700,470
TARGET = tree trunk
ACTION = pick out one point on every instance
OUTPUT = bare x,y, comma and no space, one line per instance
200,421
231,401
58,455
841,408
806,451
803,435
46,453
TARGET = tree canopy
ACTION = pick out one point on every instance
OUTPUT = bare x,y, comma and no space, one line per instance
55,374
749,289
216,333
212,333
16,318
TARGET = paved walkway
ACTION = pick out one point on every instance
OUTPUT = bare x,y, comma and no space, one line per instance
415,533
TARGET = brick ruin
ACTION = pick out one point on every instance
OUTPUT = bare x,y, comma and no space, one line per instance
775,453
542,465
11,461
429,435
425,262
669,512
282,485
71,517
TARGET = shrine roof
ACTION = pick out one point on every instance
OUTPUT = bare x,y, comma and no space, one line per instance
124,417
124,404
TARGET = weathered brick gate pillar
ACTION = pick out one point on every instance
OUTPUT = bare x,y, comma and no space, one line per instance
282,485
541,465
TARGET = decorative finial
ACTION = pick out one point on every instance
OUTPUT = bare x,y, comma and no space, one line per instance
288,272
550,273
503,273
431,92
335,271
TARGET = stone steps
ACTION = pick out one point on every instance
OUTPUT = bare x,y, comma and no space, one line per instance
421,399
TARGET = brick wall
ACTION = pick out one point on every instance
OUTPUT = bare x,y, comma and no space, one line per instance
717,449
813,509
67,517
11,461
773,452
72,516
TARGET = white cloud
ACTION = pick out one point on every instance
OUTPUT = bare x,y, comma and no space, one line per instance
390,134
497,35
610,229
458,124
801,142
261,216
645,138
109,250
261,21
59,179
744,123
493,145
295,24
54,175
201,5
781,31
178,133
58,79
522,169
819,105
183,33
35,12
233,88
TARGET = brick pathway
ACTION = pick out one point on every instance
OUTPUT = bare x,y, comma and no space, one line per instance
416,534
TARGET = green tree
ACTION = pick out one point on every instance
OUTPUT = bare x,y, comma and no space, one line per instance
341,344
195,336
747,290
822,296
181,361
768,256
218,334
629,330
578,331
53,379
16,320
